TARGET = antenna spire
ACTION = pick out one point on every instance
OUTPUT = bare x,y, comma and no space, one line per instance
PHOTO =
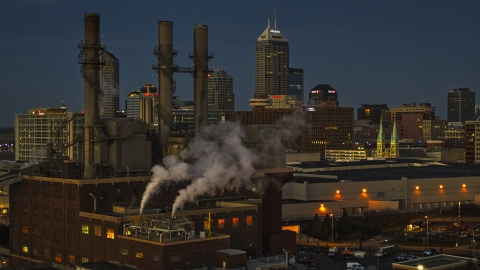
275,22
268,25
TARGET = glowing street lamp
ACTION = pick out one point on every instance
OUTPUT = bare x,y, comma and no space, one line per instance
331,215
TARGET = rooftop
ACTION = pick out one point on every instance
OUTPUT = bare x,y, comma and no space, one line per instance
433,262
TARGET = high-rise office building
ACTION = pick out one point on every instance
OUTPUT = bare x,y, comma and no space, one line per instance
33,131
461,105
271,63
323,95
295,83
141,104
109,84
220,91
373,112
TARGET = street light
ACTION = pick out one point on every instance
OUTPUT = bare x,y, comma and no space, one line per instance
427,229
331,215
420,267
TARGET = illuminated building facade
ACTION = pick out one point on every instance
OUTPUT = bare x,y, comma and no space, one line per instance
220,91
284,101
47,125
461,105
141,104
295,83
271,63
109,85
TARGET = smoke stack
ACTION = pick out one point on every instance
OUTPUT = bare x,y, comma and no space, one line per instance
89,59
165,53
200,76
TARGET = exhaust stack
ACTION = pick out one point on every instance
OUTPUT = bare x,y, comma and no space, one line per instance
200,76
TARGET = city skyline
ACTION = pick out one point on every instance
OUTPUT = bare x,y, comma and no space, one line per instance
373,52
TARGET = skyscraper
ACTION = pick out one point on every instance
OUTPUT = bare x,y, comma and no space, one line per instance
220,91
109,84
141,104
295,83
461,105
271,63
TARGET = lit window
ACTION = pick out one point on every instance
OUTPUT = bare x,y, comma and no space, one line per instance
58,257
205,225
110,233
124,251
235,222
139,255
25,249
221,223
97,231
249,221
24,228
71,259
84,228
84,260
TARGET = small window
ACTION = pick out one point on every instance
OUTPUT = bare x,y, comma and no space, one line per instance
84,228
221,223
84,260
71,259
46,211
71,215
46,192
24,228
36,231
249,221
58,193
25,249
71,237
46,232
58,256
36,190
58,213
235,222
139,255
25,208
110,233
155,258
120,194
175,258
36,252
35,209
104,194
205,225
58,235
24,189
46,254
97,231
71,195
124,251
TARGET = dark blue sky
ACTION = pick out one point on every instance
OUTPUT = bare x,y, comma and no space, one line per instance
391,52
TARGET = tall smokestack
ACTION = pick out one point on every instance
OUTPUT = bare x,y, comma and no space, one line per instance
89,59
165,53
200,76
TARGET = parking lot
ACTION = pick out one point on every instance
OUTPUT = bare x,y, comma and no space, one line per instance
324,262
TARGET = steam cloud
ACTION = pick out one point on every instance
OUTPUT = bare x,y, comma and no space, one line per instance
218,159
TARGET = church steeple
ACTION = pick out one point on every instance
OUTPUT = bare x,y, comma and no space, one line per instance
394,141
380,139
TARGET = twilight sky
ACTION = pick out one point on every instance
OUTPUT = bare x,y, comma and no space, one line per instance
373,52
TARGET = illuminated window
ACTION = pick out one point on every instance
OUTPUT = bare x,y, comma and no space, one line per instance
58,256
110,233
221,223
84,228
235,222
97,231
139,255
25,249
24,228
71,259
205,225
84,260
124,251
249,221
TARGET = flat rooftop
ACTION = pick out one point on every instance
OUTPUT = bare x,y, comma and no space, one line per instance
374,170
433,262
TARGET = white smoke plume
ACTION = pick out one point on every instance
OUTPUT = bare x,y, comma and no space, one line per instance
218,159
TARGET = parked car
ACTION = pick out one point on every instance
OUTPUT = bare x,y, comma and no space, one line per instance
429,252
400,257
410,257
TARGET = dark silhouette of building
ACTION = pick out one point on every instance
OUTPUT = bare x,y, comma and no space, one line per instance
323,95
220,91
295,83
461,105
372,112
